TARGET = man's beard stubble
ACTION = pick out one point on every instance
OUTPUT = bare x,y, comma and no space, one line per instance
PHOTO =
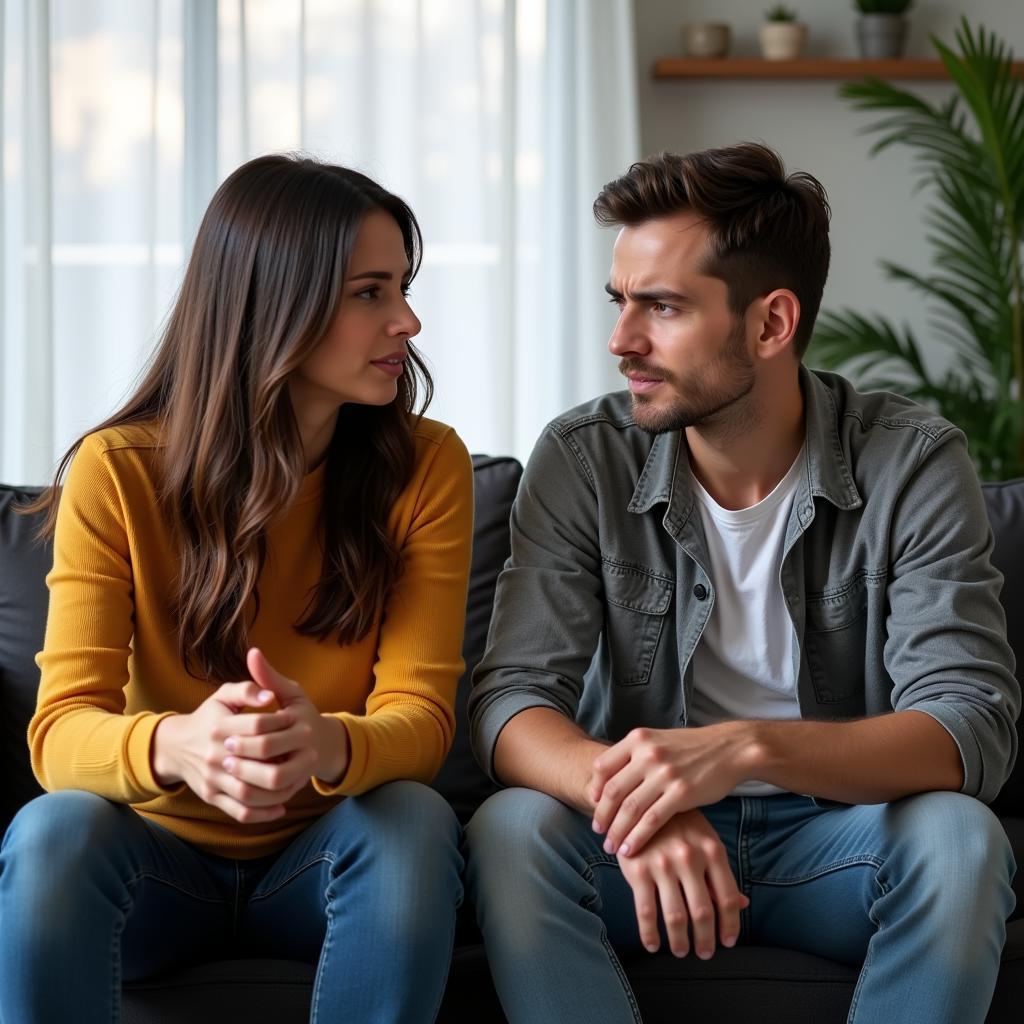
703,400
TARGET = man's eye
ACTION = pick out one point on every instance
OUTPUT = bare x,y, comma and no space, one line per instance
660,307
617,300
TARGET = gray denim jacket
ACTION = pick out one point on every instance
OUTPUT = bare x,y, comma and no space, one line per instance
886,575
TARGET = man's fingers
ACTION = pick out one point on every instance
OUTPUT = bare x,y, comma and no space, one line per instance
728,899
674,910
702,911
646,903
659,811
613,793
631,814
613,760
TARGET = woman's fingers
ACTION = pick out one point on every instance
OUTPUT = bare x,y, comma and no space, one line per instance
268,743
242,812
273,778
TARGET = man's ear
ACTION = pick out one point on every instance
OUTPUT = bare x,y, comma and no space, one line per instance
779,316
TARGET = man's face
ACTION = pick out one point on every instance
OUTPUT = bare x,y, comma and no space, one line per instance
685,355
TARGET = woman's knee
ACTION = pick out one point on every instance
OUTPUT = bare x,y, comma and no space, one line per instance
409,810
63,827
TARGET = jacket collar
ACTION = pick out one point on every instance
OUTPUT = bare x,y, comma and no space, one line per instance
664,477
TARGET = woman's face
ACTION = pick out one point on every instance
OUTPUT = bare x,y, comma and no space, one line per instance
362,355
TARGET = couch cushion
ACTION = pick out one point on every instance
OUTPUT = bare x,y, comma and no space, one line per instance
23,598
495,481
1005,504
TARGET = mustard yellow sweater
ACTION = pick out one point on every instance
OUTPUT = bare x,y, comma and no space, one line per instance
110,668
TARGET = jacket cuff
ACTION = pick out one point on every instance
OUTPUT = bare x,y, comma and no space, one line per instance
499,713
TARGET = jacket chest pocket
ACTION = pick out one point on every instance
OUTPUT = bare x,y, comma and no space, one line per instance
834,640
636,603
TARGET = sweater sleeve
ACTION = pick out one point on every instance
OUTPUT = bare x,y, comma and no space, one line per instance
79,736
410,721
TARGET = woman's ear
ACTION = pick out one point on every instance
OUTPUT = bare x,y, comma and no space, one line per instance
779,313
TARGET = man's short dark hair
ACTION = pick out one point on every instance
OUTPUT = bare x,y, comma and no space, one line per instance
767,229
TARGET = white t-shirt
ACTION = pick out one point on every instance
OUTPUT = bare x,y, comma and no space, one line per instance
744,664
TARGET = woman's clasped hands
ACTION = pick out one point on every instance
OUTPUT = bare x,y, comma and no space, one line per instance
249,765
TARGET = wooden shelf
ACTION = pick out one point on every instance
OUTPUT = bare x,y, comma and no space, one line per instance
749,67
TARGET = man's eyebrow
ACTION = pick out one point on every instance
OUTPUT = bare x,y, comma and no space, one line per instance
653,295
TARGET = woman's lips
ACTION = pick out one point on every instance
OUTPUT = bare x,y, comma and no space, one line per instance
393,368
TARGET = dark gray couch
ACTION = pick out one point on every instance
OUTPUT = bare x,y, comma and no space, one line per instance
771,986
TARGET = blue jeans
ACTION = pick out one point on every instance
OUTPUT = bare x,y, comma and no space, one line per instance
917,891
92,894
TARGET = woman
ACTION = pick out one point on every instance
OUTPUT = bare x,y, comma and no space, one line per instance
256,612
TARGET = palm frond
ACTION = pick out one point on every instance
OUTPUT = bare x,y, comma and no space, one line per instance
969,157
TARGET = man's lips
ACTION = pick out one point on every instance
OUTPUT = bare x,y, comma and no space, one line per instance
640,383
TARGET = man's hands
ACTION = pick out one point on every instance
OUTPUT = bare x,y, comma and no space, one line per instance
654,774
251,765
684,869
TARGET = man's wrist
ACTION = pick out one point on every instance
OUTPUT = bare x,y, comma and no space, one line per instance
756,750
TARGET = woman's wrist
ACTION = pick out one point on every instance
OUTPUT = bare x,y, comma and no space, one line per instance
162,751
332,750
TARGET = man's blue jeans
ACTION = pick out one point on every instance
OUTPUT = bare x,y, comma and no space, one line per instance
918,891
91,894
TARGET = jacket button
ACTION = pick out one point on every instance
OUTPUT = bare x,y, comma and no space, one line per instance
700,591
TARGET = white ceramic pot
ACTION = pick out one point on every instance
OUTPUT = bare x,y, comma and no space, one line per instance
706,39
782,40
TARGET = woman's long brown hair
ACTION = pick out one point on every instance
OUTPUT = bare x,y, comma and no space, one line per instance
260,291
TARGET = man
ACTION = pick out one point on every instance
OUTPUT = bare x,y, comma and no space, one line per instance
747,677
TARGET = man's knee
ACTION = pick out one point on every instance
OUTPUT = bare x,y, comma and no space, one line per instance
954,843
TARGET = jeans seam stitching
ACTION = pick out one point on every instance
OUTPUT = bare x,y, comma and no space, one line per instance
149,874
855,998
613,959
826,869
319,859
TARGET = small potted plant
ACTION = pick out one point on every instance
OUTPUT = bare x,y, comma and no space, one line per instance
782,36
882,28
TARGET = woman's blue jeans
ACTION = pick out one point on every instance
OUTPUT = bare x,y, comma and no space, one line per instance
92,894
917,891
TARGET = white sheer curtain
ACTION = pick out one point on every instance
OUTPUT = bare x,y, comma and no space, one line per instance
498,120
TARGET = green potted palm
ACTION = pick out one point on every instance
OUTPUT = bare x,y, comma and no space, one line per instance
882,28
969,158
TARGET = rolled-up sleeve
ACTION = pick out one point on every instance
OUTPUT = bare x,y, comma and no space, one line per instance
548,607
946,648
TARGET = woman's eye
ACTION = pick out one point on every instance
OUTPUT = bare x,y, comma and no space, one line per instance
368,293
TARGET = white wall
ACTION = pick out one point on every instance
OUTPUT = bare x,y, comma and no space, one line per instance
875,213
